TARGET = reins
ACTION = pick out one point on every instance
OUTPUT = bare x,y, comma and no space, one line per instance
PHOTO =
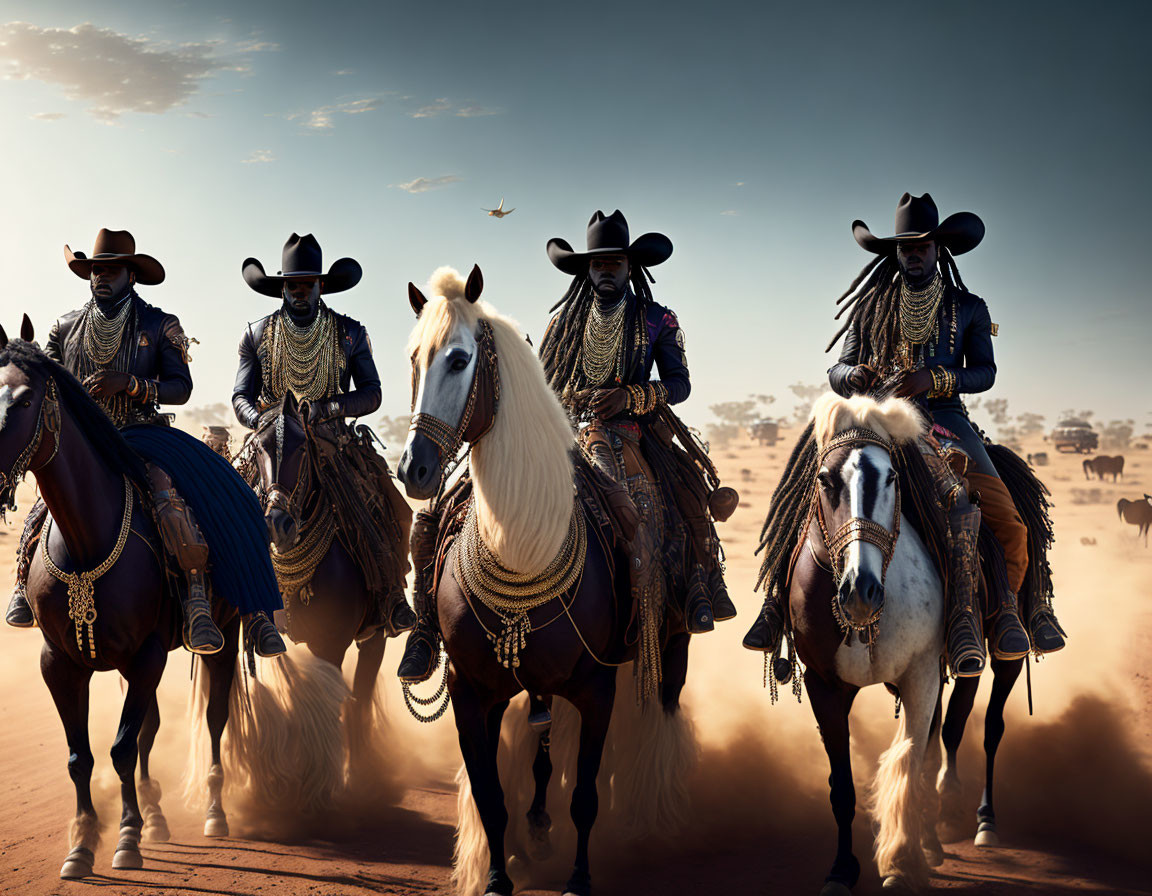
47,421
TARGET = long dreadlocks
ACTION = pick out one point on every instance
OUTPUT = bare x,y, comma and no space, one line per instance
562,342
872,304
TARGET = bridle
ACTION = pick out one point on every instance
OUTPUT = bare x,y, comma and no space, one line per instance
47,423
480,409
856,528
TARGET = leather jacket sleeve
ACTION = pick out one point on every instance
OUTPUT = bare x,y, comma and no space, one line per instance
174,380
53,347
979,371
365,398
246,392
849,358
671,361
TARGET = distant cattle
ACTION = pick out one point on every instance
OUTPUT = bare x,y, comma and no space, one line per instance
766,432
1138,513
1039,459
1103,465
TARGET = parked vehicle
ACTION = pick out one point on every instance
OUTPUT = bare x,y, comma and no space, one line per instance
1074,435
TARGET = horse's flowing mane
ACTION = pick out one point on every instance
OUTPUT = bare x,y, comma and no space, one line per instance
98,429
894,418
522,468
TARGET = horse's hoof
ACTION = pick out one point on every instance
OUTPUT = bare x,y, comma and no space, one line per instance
835,888
989,839
127,858
78,864
216,827
156,831
896,884
934,855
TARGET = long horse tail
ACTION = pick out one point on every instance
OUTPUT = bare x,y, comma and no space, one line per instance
470,851
283,747
895,802
1120,505
1087,467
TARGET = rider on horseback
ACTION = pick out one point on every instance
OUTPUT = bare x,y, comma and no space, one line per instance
598,354
914,331
318,354
133,357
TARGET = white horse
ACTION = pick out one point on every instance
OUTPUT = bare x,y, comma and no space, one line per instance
868,608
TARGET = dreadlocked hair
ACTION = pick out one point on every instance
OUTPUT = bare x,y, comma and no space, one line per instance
786,514
101,434
560,347
872,305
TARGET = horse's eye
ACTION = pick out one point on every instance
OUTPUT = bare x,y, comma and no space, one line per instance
825,481
458,363
26,403
891,476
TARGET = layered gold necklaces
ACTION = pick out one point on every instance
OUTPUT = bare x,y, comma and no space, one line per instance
306,360
102,335
601,354
920,309
511,595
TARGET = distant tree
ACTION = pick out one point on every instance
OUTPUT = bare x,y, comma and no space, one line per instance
806,394
1009,436
393,431
1117,434
996,409
720,435
1030,424
735,413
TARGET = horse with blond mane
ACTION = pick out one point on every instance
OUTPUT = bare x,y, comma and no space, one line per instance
530,595
868,608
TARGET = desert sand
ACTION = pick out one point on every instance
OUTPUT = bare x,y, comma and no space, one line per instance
1074,795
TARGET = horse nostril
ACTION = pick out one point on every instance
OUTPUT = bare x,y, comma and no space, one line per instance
421,474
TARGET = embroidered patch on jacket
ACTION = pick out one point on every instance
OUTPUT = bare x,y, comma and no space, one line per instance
144,341
995,329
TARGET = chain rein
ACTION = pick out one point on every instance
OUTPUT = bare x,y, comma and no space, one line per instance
47,421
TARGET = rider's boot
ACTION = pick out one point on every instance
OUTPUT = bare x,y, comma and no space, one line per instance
1047,633
19,612
722,606
261,633
1007,639
422,652
964,640
184,541
768,629
698,614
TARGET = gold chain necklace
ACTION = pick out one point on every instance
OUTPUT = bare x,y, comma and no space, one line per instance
601,352
511,595
306,360
82,585
919,310
103,334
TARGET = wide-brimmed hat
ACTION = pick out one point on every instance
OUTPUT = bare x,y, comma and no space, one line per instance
116,247
302,258
609,236
918,219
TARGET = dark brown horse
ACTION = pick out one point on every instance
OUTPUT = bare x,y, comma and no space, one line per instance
1104,465
1138,513
97,588
478,381
330,602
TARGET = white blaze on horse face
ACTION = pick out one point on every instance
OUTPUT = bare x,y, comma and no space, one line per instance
866,475
447,381
6,401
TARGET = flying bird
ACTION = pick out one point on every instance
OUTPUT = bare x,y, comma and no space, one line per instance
499,211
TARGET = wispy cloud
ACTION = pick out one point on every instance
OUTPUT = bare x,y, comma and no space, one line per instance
112,73
474,111
436,107
730,212
342,72
47,116
323,118
257,46
445,106
424,184
258,156
739,183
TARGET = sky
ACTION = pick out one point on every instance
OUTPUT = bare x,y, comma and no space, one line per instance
752,134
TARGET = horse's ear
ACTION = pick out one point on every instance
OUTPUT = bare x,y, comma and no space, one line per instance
3,338
475,284
416,298
27,331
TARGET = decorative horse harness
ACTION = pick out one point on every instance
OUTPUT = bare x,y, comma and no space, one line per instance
855,528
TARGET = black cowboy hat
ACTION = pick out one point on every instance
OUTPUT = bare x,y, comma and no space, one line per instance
609,236
116,247
302,258
918,219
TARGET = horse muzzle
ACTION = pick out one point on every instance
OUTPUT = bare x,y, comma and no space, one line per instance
419,467
861,597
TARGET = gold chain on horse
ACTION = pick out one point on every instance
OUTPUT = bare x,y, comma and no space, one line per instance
418,705
511,595
295,567
306,360
446,437
82,585
856,528
48,420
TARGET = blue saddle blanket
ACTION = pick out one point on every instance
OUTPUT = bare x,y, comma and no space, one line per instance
227,510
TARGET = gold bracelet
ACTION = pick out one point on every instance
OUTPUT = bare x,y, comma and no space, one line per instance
133,389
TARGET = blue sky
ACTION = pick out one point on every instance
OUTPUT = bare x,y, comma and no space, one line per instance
752,134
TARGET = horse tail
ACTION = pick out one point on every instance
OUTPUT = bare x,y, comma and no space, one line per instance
896,800
283,746
1120,505
470,851
649,757
1087,467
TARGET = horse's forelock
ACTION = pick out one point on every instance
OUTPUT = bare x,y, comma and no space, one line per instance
439,319
897,419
